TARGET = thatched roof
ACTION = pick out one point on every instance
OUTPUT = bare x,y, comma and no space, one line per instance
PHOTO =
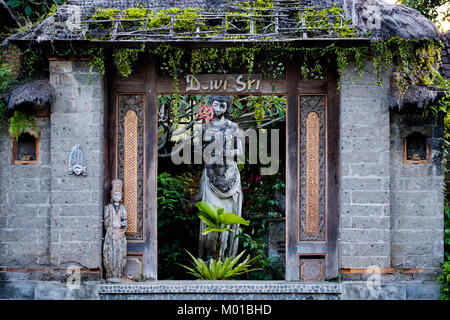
395,21
37,92
225,21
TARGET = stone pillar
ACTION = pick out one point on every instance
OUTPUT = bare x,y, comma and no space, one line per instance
77,201
364,229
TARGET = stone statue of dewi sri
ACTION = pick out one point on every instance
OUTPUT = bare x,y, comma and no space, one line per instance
220,184
115,244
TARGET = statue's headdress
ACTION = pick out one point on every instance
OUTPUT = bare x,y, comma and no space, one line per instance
221,98
116,186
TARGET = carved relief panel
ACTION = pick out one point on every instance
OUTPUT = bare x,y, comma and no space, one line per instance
312,168
130,129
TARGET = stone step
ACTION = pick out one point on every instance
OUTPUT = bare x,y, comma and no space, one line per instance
221,290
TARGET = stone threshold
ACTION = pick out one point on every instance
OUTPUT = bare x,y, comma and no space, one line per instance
221,287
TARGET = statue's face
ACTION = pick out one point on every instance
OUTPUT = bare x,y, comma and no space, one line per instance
77,169
219,107
116,196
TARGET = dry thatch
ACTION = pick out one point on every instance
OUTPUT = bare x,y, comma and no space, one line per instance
394,21
280,23
37,92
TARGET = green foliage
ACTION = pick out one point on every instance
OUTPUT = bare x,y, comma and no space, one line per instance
5,84
218,269
31,9
444,279
33,61
412,61
124,59
447,232
216,219
177,225
20,123
105,14
261,206
326,21
426,7
270,268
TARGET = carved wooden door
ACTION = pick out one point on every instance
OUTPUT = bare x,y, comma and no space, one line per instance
130,141
312,162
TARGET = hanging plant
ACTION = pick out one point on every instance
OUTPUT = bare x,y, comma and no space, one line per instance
21,123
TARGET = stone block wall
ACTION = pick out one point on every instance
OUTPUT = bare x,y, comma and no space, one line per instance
391,213
417,194
25,203
364,228
76,201
49,218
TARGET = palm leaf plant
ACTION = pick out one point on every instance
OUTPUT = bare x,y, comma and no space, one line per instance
218,269
217,220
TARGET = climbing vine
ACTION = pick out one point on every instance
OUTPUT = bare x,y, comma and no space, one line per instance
410,60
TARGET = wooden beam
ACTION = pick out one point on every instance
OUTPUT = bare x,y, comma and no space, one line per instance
269,87
292,171
217,43
312,86
109,125
333,148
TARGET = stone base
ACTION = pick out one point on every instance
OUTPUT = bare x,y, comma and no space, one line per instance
47,290
221,290
218,290
358,290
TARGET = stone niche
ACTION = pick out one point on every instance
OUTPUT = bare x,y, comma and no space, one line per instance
416,149
25,149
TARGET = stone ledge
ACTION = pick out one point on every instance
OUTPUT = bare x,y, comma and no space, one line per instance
223,287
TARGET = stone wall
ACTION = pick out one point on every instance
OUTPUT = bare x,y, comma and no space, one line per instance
417,195
364,228
25,203
49,218
76,201
391,213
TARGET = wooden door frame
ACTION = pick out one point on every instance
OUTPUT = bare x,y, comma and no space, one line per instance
292,88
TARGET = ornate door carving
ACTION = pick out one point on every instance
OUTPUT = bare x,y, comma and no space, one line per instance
130,144
312,162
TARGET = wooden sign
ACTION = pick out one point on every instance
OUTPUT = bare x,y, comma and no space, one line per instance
224,83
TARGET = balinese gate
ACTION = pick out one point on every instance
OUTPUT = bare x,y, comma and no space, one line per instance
311,164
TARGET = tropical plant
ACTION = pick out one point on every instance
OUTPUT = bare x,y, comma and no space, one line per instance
175,218
5,83
269,267
216,219
32,9
261,205
21,123
444,279
429,8
447,232
218,269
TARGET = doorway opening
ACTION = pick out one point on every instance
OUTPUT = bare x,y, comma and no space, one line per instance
187,175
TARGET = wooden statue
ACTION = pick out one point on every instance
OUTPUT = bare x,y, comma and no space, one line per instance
115,244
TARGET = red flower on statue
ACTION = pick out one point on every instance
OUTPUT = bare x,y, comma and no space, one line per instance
206,113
